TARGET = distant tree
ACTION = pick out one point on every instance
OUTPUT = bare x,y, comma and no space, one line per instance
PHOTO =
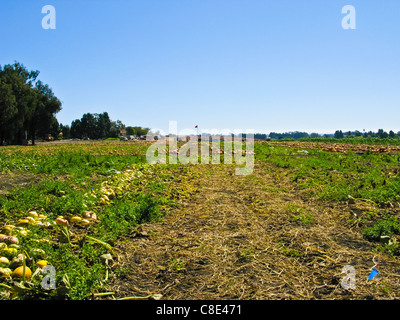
116,127
288,135
273,135
103,125
338,134
43,107
347,134
382,134
54,130
65,130
297,135
8,110
369,134
88,123
392,134
261,136
92,126
130,131
140,131
76,129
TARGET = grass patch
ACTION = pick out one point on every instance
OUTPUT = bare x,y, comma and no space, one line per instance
335,176
382,228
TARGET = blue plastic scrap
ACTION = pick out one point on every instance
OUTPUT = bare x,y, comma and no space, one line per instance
373,273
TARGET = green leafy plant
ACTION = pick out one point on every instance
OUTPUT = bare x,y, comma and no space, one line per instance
302,218
385,227
176,265
246,254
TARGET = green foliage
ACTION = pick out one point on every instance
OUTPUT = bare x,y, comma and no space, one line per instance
288,136
338,134
93,126
302,218
136,131
27,105
176,265
392,248
123,216
385,227
335,176
246,254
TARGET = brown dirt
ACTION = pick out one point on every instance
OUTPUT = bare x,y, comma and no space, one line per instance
237,239
14,180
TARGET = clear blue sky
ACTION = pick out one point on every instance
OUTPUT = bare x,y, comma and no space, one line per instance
266,65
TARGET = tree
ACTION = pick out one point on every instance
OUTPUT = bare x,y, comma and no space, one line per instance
43,107
96,126
130,131
348,134
382,134
88,123
21,82
8,109
76,129
35,104
338,134
140,131
103,125
261,136
391,134
116,127
65,130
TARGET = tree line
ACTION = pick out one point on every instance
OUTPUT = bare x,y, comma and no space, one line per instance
28,109
96,126
27,105
381,134
339,134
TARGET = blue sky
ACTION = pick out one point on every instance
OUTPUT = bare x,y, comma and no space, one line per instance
266,65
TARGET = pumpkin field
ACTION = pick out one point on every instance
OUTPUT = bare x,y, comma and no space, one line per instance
92,220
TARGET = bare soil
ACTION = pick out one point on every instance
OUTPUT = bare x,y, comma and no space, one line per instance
9,181
244,237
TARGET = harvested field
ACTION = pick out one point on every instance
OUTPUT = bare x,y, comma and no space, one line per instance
201,232
237,239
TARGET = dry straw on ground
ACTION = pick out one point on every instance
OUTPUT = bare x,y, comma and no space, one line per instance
252,237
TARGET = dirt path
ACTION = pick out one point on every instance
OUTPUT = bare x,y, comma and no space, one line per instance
252,237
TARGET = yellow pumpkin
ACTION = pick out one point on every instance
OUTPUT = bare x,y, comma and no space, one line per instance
75,219
85,222
42,263
61,221
19,272
33,214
